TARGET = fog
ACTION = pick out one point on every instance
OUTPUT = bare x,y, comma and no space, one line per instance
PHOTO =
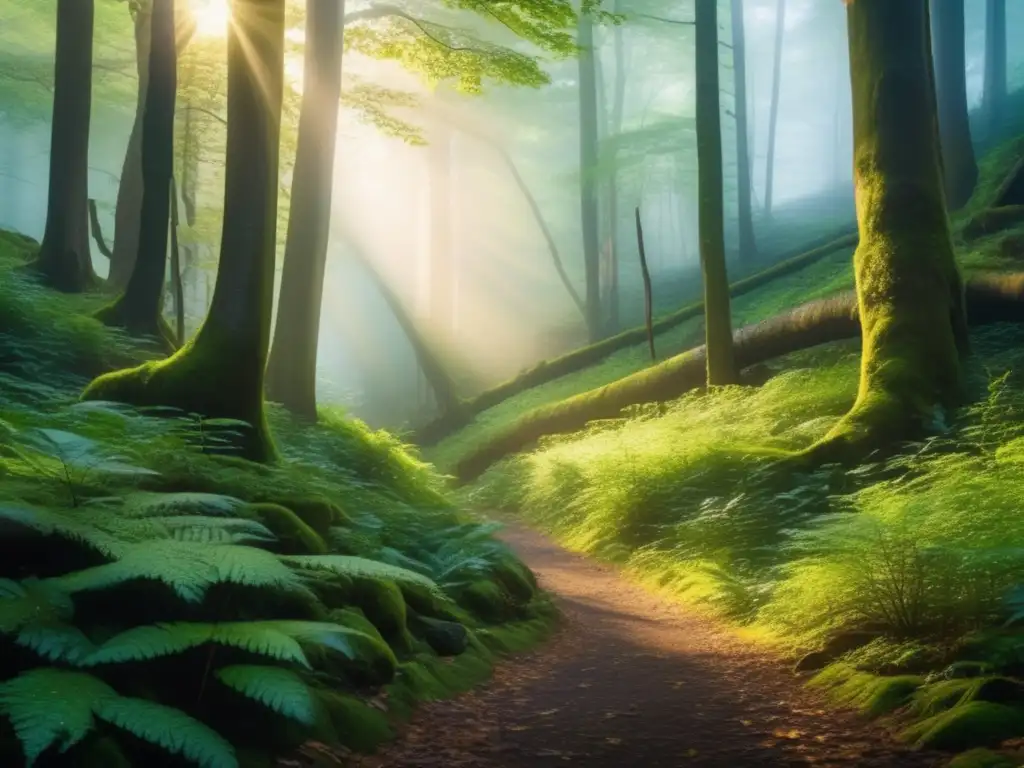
439,199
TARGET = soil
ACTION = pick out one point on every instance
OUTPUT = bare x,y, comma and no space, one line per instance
633,679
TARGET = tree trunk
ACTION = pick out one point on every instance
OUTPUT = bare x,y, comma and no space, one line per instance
432,367
442,256
219,373
748,243
64,258
721,365
909,290
994,97
291,371
588,166
614,129
773,114
128,206
961,170
138,309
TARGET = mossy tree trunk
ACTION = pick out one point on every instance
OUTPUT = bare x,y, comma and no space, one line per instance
994,94
959,165
64,259
710,186
909,291
137,310
220,372
588,166
773,114
748,243
291,370
614,129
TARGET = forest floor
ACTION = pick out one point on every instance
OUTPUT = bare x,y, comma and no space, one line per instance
632,678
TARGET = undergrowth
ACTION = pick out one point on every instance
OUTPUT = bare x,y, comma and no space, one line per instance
162,603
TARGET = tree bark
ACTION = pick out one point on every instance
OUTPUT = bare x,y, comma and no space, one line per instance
291,371
908,286
220,372
614,129
721,365
748,243
960,168
64,259
773,115
588,166
994,95
138,309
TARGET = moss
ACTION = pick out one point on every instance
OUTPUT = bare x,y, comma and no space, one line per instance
982,758
157,329
205,377
976,724
870,694
318,513
485,599
357,725
374,663
947,694
515,577
294,536
334,590
383,604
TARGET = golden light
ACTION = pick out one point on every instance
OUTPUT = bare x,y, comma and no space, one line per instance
211,17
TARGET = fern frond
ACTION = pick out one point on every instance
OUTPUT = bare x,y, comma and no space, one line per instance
280,640
214,530
81,528
170,729
54,708
56,642
187,569
31,601
280,690
360,567
148,504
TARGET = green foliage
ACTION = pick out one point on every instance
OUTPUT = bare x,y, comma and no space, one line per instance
280,690
55,708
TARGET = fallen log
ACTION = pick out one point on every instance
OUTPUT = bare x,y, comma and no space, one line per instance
990,299
578,359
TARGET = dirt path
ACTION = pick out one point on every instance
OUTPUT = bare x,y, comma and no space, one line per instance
632,680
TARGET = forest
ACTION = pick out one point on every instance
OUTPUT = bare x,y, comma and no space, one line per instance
507,383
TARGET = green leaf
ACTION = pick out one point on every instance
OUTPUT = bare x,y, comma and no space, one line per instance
360,567
31,601
146,504
280,690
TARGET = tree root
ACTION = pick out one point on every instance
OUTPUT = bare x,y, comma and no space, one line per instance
990,299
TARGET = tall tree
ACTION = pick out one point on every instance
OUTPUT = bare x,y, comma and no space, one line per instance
220,372
960,167
994,95
138,308
614,129
748,243
64,258
909,291
291,371
773,114
588,166
710,187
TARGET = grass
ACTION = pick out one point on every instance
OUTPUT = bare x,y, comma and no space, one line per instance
382,561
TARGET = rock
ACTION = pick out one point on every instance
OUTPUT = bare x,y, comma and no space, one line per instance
447,638
976,724
812,662
836,646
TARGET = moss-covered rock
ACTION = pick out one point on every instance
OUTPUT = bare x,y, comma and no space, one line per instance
374,663
294,537
357,725
485,599
447,638
382,603
516,578
983,758
975,724
334,590
318,513
870,694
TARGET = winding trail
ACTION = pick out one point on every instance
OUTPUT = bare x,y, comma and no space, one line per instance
631,679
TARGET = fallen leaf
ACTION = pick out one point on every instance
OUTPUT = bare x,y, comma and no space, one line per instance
747,723
613,740
583,685
547,712
518,728
782,733
691,753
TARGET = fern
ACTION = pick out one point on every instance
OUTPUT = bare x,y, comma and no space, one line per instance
73,526
54,708
148,504
29,601
56,642
280,690
360,567
280,640
187,569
